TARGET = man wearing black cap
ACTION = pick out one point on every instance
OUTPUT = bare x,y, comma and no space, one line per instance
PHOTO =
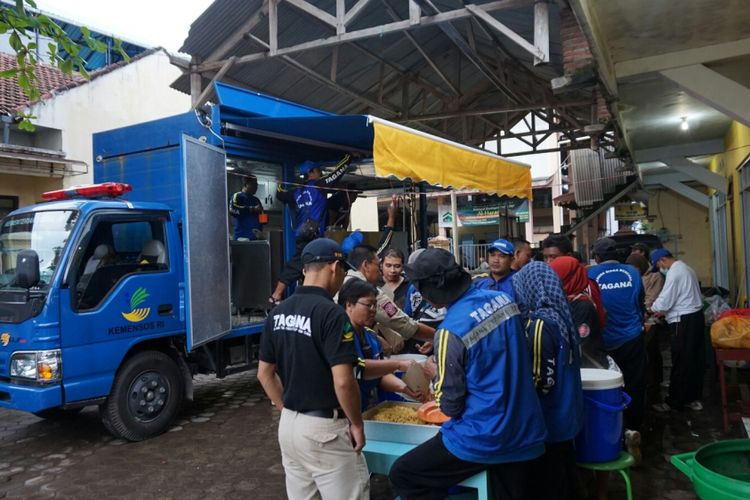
681,303
306,365
622,295
483,383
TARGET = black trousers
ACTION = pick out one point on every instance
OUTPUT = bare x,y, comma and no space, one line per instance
429,470
686,377
292,271
632,360
655,370
553,475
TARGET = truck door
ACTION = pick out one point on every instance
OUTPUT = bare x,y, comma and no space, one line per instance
121,286
205,241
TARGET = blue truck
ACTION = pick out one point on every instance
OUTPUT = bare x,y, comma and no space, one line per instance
116,294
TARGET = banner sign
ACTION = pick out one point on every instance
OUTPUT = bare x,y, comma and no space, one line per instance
630,211
484,215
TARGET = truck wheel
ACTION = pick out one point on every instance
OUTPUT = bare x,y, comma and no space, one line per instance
146,396
58,413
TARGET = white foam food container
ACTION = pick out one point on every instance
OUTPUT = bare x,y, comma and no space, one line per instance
419,358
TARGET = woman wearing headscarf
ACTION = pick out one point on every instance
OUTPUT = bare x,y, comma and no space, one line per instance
585,309
552,340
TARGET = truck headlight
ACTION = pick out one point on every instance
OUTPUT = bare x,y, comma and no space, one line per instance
41,366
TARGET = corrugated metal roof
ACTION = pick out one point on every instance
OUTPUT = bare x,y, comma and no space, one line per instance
360,73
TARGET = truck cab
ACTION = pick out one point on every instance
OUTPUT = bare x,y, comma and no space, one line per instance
107,279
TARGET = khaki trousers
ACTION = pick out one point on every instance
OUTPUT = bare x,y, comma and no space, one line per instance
319,460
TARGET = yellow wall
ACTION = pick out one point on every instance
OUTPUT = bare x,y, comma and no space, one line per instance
737,149
683,217
28,188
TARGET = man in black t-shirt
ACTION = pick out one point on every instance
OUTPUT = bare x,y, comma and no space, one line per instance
306,367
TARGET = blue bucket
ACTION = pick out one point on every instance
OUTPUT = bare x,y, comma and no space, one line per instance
600,439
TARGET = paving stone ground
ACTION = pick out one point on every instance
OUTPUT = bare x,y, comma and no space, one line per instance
224,446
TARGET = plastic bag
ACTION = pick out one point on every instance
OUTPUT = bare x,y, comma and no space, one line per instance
715,306
731,331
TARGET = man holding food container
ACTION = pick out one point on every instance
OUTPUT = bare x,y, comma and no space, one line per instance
483,383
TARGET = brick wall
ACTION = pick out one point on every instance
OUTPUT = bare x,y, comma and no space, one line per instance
575,48
577,54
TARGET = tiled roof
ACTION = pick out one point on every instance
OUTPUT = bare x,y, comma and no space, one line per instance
12,97
52,81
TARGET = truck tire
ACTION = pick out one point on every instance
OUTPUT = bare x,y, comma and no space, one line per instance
146,395
58,413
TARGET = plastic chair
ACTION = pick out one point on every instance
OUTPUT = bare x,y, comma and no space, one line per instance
621,464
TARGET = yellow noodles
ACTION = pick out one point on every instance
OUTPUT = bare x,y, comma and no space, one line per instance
396,414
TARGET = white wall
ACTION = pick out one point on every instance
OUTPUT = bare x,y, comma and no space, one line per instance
134,93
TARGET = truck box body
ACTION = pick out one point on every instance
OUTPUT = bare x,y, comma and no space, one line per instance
147,156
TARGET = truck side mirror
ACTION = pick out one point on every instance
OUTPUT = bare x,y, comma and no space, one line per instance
27,268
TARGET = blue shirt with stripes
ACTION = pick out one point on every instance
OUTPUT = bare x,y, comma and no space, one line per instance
484,382
556,370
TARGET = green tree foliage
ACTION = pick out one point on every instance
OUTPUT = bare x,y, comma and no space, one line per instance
22,24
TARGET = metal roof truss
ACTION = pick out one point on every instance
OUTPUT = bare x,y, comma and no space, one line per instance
416,87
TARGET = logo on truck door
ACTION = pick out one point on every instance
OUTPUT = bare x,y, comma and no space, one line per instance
5,338
137,314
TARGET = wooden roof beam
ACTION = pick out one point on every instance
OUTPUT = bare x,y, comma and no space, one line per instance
375,31
331,84
317,13
485,111
418,80
421,51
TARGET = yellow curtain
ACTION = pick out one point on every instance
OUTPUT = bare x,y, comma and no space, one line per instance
405,153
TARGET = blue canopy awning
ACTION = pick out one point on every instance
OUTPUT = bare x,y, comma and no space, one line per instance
344,133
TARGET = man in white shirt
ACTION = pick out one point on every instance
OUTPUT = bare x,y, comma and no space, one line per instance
681,304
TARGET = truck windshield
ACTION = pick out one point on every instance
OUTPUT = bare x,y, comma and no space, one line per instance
45,232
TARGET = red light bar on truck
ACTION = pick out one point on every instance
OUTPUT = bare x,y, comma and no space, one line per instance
112,189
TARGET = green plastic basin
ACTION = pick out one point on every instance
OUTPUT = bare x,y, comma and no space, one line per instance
719,470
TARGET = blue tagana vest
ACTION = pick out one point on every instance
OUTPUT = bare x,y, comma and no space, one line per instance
620,286
562,406
504,284
311,204
502,420
366,386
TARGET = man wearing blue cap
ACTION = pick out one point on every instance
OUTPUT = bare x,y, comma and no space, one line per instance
500,258
311,218
307,359
681,303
